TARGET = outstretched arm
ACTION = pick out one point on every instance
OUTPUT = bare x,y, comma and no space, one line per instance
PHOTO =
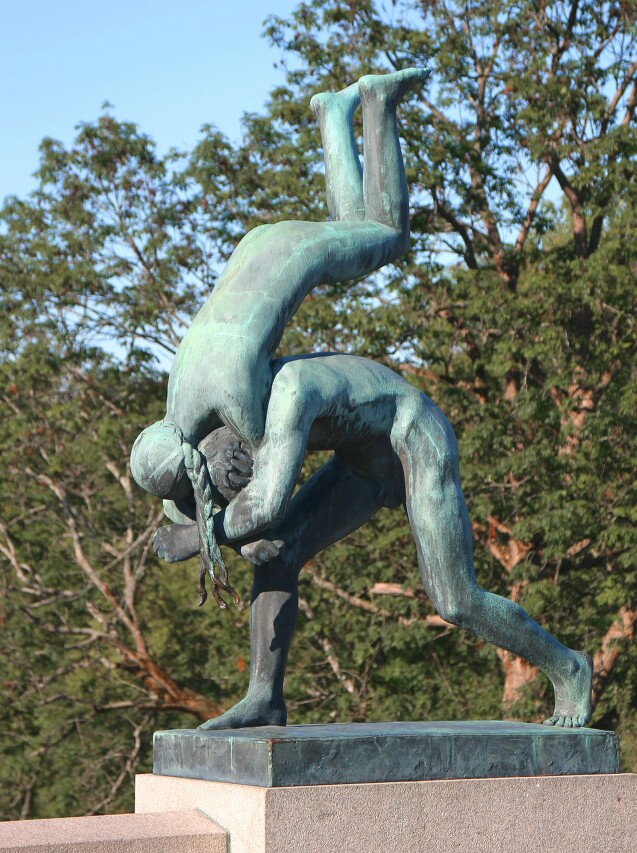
264,500
277,465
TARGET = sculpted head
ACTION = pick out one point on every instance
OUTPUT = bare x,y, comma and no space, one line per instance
158,463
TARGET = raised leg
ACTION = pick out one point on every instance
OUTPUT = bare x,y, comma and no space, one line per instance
379,192
333,503
438,516
343,171
384,181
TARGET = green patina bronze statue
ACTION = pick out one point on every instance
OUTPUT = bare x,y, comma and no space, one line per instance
228,454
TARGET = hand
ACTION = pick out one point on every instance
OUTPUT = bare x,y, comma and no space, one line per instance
229,462
262,550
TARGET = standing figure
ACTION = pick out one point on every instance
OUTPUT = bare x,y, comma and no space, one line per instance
222,374
392,446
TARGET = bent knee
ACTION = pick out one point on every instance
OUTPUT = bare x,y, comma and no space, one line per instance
460,610
429,455
401,243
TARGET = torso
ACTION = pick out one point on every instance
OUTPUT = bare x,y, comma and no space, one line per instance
221,370
360,403
358,399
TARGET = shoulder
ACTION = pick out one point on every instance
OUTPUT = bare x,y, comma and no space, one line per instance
290,373
295,384
306,369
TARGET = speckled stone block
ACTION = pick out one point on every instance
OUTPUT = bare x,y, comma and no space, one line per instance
166,832
542,814
275,756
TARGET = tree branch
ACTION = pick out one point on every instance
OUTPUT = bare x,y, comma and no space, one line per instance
328,650
606,656
536,197
430,619
577,208
619,94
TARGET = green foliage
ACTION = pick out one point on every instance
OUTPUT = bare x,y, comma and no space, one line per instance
105,260
514,313
520,93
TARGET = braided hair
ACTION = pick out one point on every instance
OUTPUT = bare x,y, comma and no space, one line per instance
209,552
165,464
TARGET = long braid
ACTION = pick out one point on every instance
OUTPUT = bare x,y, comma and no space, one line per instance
209,552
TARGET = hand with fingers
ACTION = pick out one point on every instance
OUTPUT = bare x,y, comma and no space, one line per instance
229,463
230,466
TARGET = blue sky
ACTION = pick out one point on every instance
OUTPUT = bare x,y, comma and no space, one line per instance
169,65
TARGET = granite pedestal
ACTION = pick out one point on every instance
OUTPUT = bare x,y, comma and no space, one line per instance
544,814
168,832
399,788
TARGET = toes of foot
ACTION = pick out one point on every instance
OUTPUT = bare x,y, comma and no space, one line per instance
567,721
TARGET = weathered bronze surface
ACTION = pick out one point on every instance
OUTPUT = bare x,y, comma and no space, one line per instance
276,756
227,456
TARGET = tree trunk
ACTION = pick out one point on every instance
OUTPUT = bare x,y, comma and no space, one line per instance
517,674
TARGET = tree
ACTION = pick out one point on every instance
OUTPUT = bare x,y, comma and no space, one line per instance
515,313
103,262
526,343
522,93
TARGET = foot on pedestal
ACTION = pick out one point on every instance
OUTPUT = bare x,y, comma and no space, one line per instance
249,712
346,101
573,695
391,87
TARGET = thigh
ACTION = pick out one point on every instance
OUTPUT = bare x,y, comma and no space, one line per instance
436,507
324,252
333,503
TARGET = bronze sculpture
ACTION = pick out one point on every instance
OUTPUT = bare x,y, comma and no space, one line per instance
236,436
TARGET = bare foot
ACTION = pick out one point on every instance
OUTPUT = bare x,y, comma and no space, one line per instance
392,87
573,696
251,711
262,551
346,100
176,542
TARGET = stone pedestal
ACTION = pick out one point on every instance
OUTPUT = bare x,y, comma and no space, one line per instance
572,814
169,832
399,787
